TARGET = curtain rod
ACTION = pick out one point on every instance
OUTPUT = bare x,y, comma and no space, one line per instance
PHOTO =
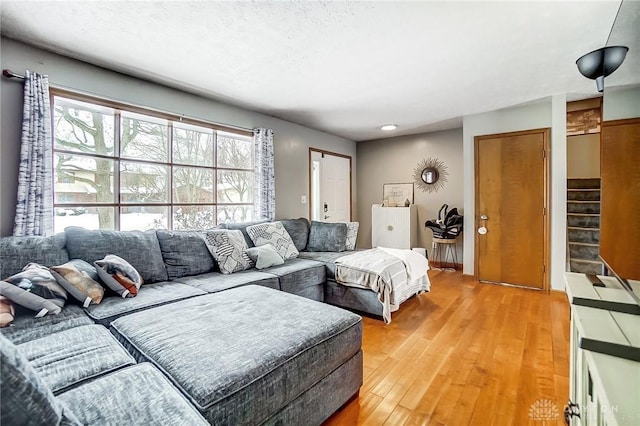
10,74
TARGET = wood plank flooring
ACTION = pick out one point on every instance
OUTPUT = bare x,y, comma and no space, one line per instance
467,353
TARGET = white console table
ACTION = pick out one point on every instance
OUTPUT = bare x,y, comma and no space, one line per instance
605,349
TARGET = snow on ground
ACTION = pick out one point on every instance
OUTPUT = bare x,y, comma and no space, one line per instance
128,221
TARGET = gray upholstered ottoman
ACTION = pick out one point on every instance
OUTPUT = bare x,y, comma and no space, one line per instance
251,354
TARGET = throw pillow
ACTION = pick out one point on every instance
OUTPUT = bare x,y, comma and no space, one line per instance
242,226
185,253
325,236
273,233
229,249
352,235
298,229
35,289
7,311
119,275
265,256
78,283
26,398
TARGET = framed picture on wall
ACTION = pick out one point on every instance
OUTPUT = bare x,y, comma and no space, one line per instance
397,194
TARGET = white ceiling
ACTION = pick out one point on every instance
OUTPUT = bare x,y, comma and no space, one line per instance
342,67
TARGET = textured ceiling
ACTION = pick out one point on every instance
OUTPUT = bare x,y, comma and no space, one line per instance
342,67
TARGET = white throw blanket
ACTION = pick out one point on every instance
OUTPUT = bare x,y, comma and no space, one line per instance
417,265
386,273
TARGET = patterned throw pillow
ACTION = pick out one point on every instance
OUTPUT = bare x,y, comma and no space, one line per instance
119,275
78,282
229,249
274,233
35,289
352,235
265,256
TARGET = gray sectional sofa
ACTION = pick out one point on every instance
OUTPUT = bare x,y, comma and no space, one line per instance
195,346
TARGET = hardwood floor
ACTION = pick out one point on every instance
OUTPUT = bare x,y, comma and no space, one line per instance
466,353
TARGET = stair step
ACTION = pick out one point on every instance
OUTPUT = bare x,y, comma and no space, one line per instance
583,183
581,220
576,206
583,195
583,235
586,266
583,251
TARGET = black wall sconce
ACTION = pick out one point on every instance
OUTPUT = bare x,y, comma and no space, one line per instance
602,62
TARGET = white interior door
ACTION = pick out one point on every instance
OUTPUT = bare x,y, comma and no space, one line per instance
330,187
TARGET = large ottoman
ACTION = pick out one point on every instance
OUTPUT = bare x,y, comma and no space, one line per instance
252,355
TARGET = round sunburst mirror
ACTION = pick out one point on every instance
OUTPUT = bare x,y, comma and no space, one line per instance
430,175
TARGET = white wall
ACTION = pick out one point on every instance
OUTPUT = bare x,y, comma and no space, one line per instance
619,104
292,141
533,116
393,160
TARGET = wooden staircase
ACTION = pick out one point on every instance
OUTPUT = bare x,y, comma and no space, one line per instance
583,225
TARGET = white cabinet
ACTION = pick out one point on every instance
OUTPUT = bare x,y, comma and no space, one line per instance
604,389
394,227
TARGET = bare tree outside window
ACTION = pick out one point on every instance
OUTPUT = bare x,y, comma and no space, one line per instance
145,171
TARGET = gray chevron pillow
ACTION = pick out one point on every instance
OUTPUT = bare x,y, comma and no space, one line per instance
229,249
273,233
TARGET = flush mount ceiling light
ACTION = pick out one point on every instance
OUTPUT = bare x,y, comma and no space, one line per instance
602,62
388,127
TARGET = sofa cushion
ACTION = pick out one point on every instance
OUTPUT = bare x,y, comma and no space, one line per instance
273,233
136,395
242,226
26,399
140,249
78,283
266,347
184,253
298,229
36,289
72,356
16,252
152,295
326,257
26,328
215,281
296,274
265,256
325,236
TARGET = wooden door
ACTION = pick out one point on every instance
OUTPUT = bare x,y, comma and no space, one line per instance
620,205
511,192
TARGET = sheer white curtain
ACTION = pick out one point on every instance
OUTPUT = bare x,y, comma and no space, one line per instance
34,210
264,179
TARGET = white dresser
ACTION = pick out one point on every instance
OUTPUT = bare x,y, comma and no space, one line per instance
604,366
394,227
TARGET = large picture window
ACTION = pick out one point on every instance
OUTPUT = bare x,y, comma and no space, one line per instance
123,168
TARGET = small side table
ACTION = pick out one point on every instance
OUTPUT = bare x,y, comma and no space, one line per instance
442,249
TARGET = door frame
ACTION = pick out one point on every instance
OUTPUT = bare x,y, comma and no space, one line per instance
546,213
335,154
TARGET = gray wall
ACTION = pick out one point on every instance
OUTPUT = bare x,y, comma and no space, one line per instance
393,160
292,141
